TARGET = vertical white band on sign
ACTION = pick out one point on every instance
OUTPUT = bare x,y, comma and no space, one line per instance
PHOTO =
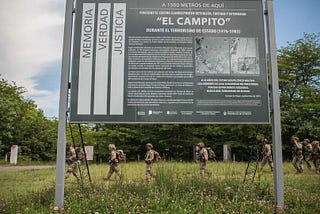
117,62
102,60
86,58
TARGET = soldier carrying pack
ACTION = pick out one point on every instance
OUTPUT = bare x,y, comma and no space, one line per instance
156,156
211,154
151,157
80,153
121,156
115,156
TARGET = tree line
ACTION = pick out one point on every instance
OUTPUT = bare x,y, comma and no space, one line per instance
23,124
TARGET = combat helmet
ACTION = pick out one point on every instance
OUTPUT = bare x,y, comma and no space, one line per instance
306,141
201,144
149,145
112,146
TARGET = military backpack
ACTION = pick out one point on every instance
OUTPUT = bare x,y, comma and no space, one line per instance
121,156
80,154
211,154
156,156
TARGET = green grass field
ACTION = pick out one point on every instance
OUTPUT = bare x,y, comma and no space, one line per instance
26,163
178,188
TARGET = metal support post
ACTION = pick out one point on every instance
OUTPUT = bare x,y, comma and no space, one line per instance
61,144
276,118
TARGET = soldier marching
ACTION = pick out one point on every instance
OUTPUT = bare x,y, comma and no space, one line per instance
203,158
149,160
297,157
266,155
72,162
113,162
305,151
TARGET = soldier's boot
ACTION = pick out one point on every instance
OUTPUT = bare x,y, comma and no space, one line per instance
76,175
301,169
271,166
119,174
308,163
296,167
66,176
108,176
152,175
208,173
149,175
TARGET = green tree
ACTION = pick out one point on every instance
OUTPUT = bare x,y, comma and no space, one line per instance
21,123
299,73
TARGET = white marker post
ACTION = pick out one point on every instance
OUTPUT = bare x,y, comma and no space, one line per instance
14,154
276,117
89,152
61,145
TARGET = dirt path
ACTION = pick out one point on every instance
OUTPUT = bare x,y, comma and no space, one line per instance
10,168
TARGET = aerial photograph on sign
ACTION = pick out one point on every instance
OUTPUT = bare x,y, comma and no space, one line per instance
212,56
244,56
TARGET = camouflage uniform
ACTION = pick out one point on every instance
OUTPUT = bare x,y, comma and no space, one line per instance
308,152
80,154
149,158
297,155
72,162
267,155
113,162
203,158
316,155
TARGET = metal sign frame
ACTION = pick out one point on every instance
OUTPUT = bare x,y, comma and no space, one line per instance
275,104
63,105
275,101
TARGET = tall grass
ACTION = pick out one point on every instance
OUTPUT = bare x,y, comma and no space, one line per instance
177,188
26,163
18,183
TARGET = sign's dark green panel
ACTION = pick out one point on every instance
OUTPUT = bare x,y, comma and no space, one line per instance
151,61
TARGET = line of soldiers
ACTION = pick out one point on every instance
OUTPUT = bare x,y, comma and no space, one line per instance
305,151
151,157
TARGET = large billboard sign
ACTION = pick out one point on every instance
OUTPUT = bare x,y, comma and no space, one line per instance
161,61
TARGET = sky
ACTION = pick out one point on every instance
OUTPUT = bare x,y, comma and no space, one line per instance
31,33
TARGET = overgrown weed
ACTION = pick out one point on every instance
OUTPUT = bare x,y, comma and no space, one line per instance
177,188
